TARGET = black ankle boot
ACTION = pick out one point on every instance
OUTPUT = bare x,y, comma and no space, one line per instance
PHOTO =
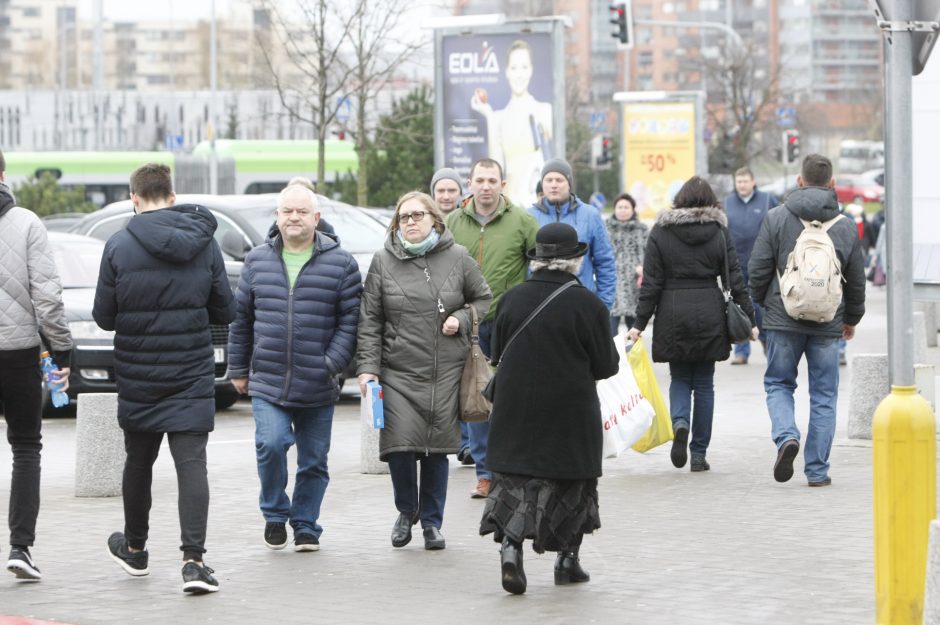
568,569
511,564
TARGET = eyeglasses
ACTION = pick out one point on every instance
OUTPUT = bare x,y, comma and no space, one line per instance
414,216
300,212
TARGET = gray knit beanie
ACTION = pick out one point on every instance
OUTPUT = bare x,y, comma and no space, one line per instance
559,166
446,173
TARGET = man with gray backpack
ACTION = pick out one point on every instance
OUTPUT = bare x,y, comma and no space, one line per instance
807,270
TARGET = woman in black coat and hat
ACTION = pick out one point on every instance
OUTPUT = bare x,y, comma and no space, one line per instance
685,255
545,443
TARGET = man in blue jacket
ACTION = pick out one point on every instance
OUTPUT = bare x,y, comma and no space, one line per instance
599,271
746,209
297,309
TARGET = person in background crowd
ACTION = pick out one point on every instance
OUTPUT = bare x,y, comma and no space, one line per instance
162,282
294,333
789,339
31,300
414,334
746,209
685,254
628,237
446,189
545,444
599,269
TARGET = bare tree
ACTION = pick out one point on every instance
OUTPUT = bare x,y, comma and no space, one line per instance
311,42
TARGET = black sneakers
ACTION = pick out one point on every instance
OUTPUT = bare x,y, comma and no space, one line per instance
306,542
699,463
783,467
134,563
275,535
198,579
22,565
680,441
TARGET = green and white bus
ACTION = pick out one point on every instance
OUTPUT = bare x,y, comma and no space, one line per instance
245,167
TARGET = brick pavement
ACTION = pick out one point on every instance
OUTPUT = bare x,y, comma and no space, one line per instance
730,546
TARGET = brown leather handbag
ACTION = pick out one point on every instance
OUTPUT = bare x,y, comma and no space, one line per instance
476,375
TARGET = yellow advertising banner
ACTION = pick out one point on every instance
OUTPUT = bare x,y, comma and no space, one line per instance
659,152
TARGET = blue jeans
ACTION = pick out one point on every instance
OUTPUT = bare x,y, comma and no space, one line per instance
464,436
688,379
276,430
744,347
784,351
479,431
427,497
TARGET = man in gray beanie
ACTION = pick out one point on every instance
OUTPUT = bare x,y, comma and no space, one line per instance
446,189
599,269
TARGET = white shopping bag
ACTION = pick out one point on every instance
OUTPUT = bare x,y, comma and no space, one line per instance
625,413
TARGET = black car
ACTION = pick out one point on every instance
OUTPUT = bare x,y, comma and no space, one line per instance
244,221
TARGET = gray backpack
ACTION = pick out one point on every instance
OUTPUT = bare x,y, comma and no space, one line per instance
811,281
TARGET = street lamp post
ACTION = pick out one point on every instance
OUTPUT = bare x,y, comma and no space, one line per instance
213,157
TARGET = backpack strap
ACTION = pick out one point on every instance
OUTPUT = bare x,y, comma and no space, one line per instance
825,225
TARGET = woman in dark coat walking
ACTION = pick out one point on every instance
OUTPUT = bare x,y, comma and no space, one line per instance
414,335
545,442
685,255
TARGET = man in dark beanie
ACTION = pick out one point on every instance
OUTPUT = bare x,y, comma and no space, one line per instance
559,204
446,189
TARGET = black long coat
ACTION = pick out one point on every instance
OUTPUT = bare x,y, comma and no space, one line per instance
684,257
546,419
162,282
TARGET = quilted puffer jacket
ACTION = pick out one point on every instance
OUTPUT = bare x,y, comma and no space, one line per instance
30,291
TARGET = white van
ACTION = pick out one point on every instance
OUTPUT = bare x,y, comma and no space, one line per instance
858,156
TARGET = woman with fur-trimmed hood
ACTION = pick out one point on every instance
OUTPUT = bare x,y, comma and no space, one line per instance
685,255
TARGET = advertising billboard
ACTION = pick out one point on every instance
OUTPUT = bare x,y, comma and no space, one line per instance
660,151
498,97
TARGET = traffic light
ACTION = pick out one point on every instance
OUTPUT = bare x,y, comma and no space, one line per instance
602,154
623,21
791,146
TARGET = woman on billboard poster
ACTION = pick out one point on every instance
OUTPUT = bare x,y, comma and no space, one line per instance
519,135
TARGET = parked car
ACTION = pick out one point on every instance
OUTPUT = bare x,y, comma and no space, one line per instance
857,189
62,222
78,259
244,222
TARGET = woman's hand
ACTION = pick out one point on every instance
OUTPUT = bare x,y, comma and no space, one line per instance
479,102
755,333
633,334
363,379
451,326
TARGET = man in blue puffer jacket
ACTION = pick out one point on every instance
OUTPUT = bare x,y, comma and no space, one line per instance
297,309
599,271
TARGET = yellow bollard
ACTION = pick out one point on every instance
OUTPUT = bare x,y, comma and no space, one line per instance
905,498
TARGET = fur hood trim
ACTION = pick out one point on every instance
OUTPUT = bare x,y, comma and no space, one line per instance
697,215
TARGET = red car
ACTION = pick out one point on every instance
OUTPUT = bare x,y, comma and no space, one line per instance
855,188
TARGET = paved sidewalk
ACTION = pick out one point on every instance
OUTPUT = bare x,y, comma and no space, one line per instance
729,546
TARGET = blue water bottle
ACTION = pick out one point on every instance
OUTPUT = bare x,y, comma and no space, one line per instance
47,364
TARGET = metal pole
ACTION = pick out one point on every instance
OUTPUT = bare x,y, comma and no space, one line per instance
898,157
98,72
213,157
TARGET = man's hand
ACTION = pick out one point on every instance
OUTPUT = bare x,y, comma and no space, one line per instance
61,377
755,333
451,326
848,332
240,384
363,379
633,334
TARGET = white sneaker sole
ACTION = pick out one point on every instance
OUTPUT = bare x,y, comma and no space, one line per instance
127,568
306,547
275,547
23,571
198,588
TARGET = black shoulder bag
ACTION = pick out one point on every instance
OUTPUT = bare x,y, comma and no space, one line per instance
739,324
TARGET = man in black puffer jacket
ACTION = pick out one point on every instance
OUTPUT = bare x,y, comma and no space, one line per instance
162,282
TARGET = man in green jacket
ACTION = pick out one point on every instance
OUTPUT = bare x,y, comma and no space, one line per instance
497,234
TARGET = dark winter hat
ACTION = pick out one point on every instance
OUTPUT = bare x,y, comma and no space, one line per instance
446,173
557,240
559,166
538,187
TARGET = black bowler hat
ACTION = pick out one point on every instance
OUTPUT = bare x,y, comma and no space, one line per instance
557,240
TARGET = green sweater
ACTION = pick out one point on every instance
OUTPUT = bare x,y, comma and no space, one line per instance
499,247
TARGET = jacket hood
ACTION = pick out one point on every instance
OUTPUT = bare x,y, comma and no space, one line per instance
567,206
813,203
7,201
393,245
693,225
176,233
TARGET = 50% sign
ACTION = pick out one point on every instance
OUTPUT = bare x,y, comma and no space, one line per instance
656,162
